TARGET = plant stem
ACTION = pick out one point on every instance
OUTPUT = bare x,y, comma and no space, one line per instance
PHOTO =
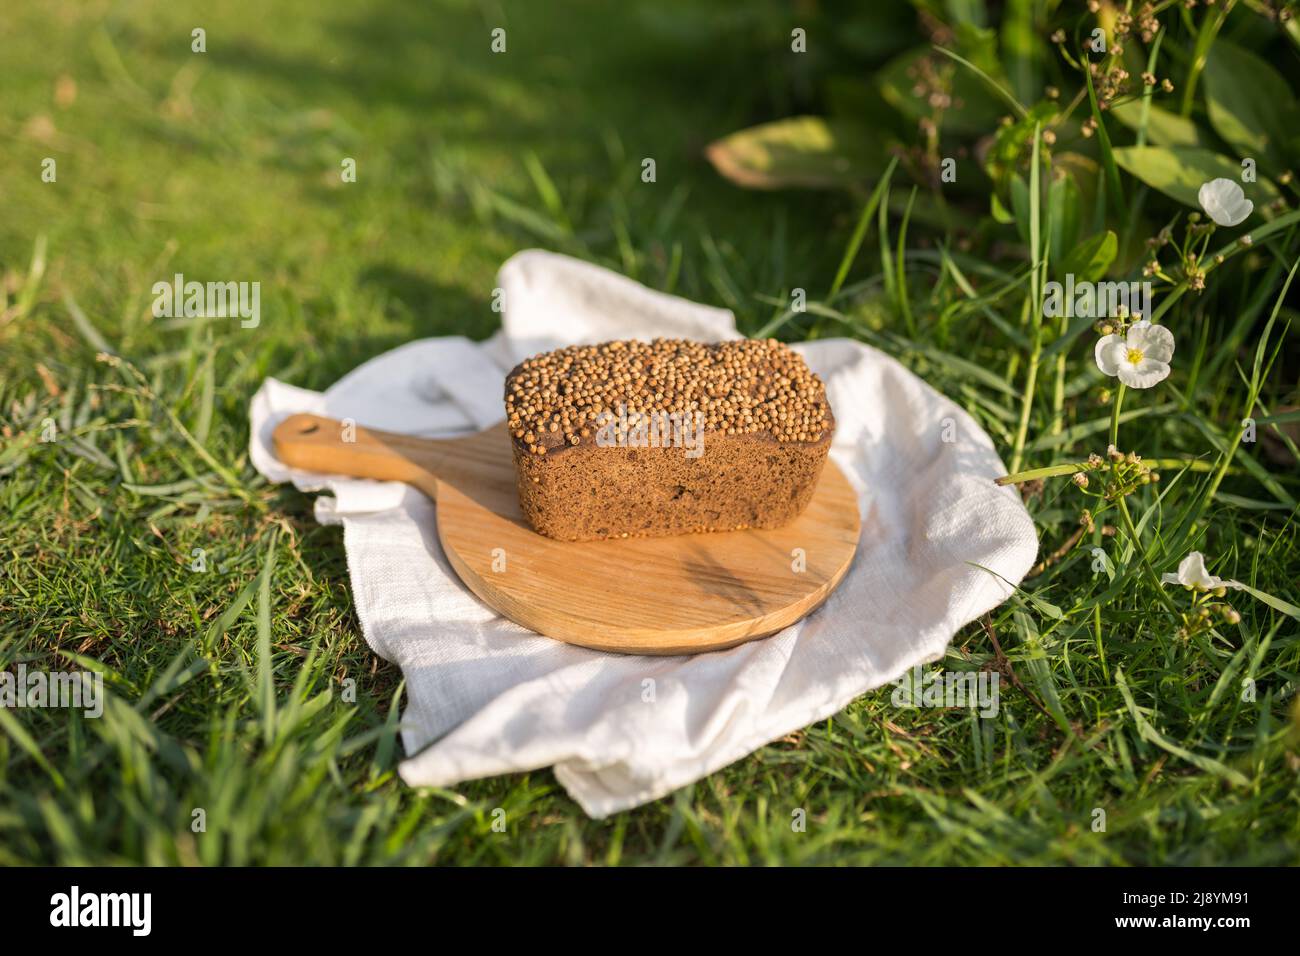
1035,301
1256,384
1027,401
1131,530
860,232
1204,40
1101,648
1227,251
1070,468
1114,415
1031,381
1058,392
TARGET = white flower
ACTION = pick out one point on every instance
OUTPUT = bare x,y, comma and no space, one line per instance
1225,202
1192,574
1141,359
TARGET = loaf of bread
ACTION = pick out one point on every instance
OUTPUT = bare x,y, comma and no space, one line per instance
628,439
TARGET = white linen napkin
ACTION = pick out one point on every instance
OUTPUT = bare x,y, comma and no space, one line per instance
486,696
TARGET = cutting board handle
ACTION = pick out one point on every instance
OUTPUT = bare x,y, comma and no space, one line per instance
329,446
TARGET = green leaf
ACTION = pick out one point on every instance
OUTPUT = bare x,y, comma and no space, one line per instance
1163,127
1087,175
1090,259
1149,733
1022,50
203,422
489,202
1046,608
18,733
979,44
804,151
85,326
265,679
998,211
1286,607
1020,206
1180,171
1012,142
1247,102
855,242
1280,418
1063,213
1114,188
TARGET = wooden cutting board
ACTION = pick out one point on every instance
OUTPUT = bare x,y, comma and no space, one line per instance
676,595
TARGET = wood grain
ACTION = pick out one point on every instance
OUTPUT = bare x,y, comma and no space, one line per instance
677,595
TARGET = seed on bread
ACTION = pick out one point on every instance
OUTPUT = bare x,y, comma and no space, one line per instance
742,387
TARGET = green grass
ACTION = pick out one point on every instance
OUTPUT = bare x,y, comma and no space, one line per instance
226,687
